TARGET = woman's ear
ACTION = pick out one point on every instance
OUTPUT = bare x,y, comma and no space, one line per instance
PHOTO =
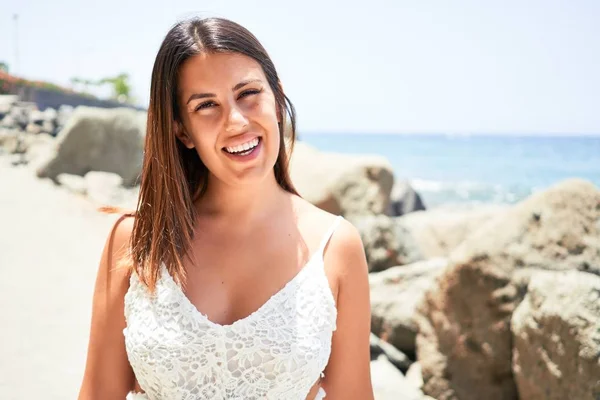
182,135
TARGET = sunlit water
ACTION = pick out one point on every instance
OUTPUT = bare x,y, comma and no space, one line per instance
475,168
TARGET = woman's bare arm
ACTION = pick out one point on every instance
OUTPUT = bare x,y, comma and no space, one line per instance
348,374
108,374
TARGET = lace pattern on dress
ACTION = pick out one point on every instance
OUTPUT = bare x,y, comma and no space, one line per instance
277,352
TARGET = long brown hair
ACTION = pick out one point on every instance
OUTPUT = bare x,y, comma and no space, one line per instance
173,176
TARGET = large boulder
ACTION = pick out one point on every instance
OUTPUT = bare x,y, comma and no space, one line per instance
556,337
342,184
464,342
97,139
395,295
387,243
437,232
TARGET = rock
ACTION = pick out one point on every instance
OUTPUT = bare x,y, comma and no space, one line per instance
342,184
556,337
6,103
49,128
395,294
50,114
404,199
387,243
464,342
109,140
74,183
374,347
20,114
8,99
33,129
49,121
414,375
36,117
395,356
9,140
440,230
8,122
45,121
4,110
40,149
389,383
103,187
64,114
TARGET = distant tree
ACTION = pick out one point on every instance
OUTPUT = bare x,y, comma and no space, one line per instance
3,66
121,87
81,84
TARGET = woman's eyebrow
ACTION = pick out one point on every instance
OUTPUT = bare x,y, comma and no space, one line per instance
233,89
244,83
200,96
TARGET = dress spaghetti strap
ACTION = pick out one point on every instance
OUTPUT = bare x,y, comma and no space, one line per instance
327,236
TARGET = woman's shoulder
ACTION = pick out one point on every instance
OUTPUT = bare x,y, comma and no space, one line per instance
120,235
113,265
345,241
123,227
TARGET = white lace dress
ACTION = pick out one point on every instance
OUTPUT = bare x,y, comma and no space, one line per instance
278,352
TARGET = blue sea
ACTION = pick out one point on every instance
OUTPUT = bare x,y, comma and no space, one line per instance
474,168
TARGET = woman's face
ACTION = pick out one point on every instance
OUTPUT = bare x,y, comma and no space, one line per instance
229,115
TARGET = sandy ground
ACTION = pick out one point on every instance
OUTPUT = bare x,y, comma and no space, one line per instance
50,245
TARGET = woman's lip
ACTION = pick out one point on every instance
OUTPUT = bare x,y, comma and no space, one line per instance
245,141
253,155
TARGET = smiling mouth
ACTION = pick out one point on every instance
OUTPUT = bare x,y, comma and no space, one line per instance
244,149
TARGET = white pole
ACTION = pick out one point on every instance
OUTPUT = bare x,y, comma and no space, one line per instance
16,19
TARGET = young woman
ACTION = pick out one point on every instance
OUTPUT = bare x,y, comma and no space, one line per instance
225,283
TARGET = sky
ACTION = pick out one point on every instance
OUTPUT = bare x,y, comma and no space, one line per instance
422,66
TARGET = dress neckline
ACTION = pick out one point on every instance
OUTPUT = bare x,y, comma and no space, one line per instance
198,315
202,317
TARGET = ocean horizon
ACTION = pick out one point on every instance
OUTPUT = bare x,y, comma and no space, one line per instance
474,168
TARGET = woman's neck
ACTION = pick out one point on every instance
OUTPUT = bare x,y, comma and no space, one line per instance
245,204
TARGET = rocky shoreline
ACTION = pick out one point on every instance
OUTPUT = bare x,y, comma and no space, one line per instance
493,302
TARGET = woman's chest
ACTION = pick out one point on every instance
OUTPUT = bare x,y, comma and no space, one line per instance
233,284
286,341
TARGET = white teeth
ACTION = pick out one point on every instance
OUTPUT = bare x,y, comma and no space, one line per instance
243,147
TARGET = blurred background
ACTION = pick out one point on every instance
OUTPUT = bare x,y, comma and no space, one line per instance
428,124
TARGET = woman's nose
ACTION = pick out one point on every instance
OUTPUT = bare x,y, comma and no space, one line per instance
236,120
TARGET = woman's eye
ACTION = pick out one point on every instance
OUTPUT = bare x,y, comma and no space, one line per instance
246,93
204,105
209,104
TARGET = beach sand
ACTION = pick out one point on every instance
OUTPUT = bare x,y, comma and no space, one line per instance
50,245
